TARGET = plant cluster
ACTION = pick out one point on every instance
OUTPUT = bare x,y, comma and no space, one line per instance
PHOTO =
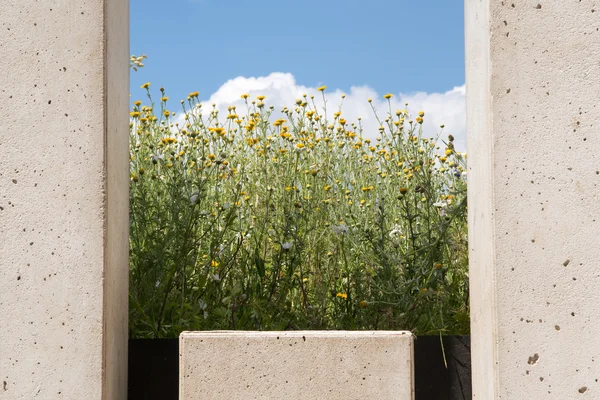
248,221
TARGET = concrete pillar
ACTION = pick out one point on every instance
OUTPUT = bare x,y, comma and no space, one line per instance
533,121
64,83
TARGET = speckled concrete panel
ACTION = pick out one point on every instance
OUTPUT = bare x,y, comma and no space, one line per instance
308,365
64,82
533,121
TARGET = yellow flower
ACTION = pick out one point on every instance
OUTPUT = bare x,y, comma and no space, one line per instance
194,94
164,98
245,96
214,263
448,152
421,114
134,114
419,120
166,113
137,103
321,88
219,130
300,145
145,85
363,304
388,96
343,296
260,98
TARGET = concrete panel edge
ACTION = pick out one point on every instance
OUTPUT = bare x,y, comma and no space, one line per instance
116,199
480,195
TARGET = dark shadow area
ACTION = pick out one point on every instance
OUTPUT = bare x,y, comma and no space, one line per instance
154,369
433,381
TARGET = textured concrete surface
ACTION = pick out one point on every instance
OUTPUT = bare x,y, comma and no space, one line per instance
296,365
533,119
63,199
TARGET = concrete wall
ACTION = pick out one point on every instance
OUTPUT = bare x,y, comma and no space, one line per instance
63,199
533,83
296,365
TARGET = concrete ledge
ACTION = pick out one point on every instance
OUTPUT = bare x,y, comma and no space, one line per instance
292,365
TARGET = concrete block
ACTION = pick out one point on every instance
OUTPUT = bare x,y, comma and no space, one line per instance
533,123
64,96
296,365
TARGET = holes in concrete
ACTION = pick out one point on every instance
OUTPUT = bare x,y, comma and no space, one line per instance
533,359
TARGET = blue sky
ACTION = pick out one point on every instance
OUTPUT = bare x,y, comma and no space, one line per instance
400,46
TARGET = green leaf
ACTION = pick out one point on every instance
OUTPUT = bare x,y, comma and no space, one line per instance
260,264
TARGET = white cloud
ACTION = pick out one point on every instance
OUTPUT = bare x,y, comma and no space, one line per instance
281,89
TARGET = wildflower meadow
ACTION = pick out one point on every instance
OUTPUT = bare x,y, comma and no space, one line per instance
258,221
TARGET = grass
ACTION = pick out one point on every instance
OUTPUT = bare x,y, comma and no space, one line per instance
260,220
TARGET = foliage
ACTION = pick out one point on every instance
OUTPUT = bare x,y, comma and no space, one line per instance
256,223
